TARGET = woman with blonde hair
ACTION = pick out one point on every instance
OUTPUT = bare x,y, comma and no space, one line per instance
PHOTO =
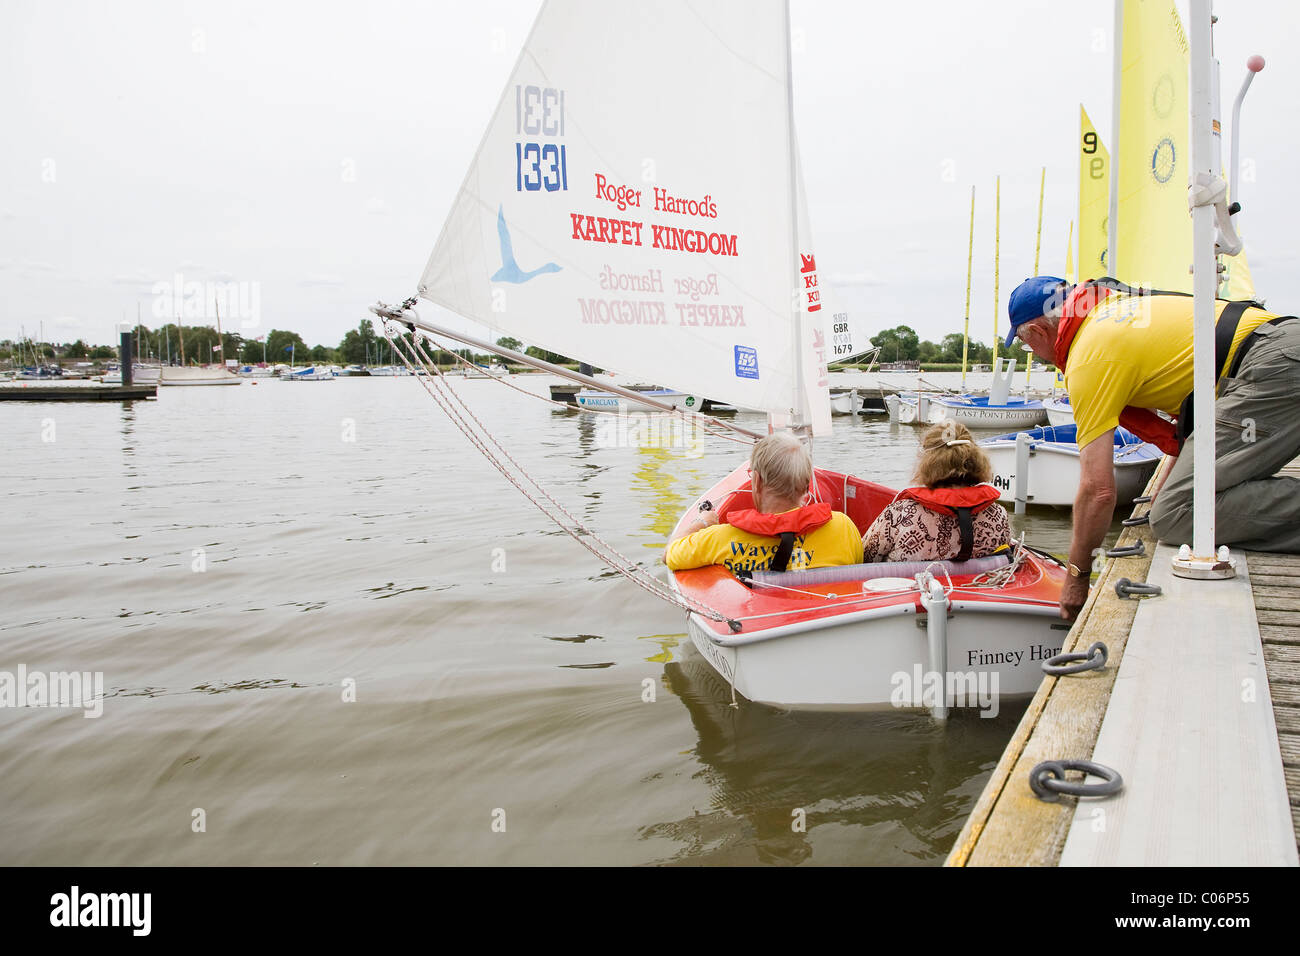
951,514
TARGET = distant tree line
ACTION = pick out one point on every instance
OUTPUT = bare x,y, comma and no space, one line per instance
902,344
360,346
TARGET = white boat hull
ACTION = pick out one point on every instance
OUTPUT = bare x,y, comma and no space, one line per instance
1054,474
876,663
1059,413
608,401
1001,417
187,375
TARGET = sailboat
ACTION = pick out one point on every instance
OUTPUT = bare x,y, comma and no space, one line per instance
653,221
198,374
1052,465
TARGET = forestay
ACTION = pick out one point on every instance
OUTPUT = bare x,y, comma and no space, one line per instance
632,205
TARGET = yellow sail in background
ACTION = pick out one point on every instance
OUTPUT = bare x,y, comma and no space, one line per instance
1154,234
1094,200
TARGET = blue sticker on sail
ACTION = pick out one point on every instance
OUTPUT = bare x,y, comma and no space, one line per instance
510,271
746,362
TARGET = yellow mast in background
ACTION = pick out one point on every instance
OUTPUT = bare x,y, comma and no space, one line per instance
997,248
970,252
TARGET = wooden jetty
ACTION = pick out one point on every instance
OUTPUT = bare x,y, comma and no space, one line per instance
76,393
1198,708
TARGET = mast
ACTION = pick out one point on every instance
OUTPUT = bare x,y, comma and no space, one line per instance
180,331
796,408
1038,244
217,306
1116,100
970,254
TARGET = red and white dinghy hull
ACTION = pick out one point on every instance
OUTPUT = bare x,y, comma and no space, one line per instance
845,646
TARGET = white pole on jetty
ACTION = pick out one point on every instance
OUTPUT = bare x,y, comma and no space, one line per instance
1200,560
970,254
1116,100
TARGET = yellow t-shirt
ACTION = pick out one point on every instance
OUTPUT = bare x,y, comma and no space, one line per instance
835,542
1137,350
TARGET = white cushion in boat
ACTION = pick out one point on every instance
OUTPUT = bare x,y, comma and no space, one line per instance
881,569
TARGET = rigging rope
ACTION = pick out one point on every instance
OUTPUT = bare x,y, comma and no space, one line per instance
706,425
441,391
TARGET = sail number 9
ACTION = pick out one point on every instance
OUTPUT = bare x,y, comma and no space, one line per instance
1097,165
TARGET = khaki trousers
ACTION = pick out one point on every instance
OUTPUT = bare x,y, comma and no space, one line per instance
1256,432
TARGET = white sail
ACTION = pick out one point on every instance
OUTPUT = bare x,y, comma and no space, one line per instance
605,219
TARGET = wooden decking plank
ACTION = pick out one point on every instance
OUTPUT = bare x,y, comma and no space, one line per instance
1287,720
1269,616
1288,605
1282,672
1269,559
1284,694
1290,746
1277,634
1282,654
1293,784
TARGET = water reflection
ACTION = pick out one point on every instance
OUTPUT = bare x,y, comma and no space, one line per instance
900,782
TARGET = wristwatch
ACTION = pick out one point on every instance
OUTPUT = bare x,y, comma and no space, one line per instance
1077,572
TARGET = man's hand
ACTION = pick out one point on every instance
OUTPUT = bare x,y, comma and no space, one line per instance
1094,506
703,519
1073,596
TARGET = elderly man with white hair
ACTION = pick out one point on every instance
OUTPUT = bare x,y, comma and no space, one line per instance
781,532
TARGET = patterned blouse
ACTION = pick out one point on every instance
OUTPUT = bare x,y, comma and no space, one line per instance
909,531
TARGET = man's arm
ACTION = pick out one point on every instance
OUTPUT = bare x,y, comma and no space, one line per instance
1094,507
702,520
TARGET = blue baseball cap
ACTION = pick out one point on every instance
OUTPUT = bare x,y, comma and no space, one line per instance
1031,299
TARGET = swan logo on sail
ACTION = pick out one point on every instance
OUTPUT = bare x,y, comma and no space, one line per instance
510,271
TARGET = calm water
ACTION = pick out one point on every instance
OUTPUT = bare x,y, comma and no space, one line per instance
230,557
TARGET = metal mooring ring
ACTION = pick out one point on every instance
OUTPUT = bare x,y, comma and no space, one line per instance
1093,659
1135,550
1126,589
1048,782
1134,522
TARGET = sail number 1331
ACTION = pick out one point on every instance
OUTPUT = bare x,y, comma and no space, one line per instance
539,111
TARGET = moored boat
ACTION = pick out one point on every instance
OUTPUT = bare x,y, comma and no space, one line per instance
197,375
311,373
1054,465
853,637
1059,411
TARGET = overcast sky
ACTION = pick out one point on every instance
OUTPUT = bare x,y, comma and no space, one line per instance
312,150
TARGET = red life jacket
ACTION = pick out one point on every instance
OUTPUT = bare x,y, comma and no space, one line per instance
1143,422
784,526
964,502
